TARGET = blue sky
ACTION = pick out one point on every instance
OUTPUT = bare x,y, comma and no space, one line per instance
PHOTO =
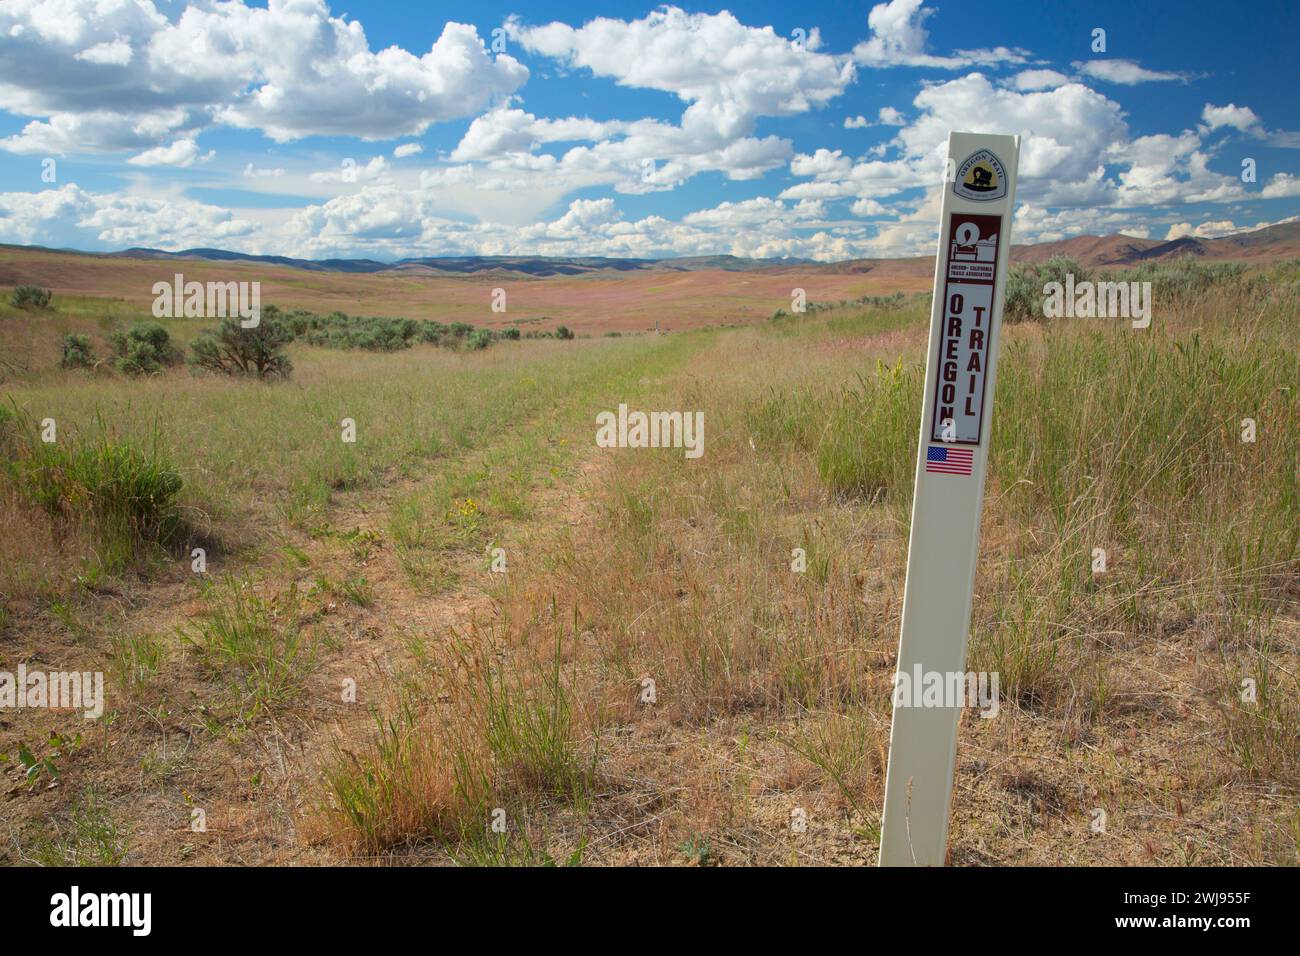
817,130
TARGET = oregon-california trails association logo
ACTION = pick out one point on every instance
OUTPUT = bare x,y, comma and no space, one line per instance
981,177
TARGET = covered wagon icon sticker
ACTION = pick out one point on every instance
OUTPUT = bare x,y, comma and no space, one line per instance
981,177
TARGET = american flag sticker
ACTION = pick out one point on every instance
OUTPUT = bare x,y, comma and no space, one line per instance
949,461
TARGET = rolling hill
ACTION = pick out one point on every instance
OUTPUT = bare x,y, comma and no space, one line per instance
590,294
1269,244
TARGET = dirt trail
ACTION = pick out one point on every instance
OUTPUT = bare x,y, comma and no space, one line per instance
374,650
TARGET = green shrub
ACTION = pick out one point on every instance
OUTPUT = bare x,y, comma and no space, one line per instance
1186,277
564,332
1176,280
30,297
231,349
144,350
1024,293
512,334
896,300
77,352
341,331
376,334
434,332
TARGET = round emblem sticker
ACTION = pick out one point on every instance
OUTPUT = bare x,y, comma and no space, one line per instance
980,177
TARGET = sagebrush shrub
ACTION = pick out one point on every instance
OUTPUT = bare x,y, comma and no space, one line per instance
1180,279
377,334
31,297
1024,292
143,350
434,332
1186,277
1024,295
77,352
231,349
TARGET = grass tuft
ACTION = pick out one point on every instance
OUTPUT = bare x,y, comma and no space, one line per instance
254,648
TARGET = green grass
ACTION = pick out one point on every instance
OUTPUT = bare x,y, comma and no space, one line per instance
505,732
529,724
405,785
515,847
862,436
134,662
122,488
254,650
1262,734
551,419
357,590
90,836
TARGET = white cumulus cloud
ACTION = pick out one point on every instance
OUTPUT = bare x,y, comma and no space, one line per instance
290,70
899,38
728,72
183,152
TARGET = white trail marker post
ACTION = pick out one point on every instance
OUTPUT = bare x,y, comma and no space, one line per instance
956,430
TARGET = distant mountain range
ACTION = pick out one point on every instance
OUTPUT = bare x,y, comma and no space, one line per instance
531,265
1268,244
